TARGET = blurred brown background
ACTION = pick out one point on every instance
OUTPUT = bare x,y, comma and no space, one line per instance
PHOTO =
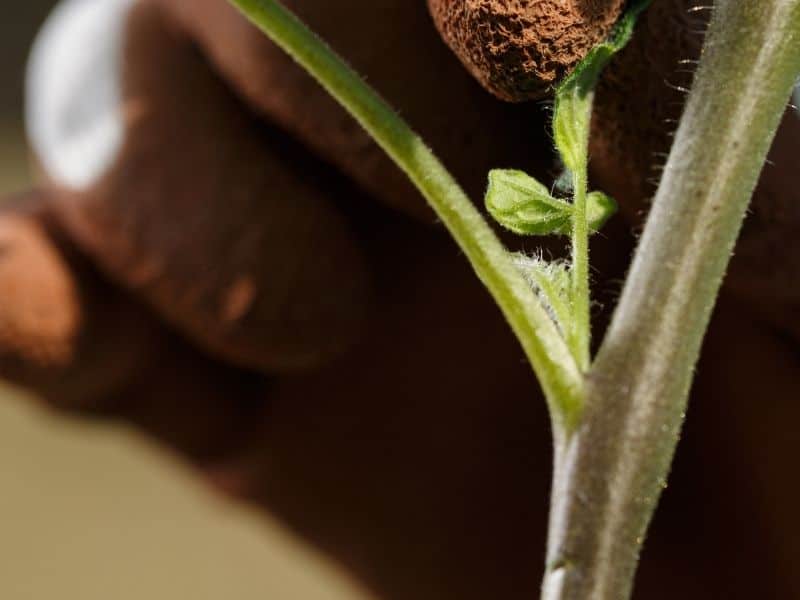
91,512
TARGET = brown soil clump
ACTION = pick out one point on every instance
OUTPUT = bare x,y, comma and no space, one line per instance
518,49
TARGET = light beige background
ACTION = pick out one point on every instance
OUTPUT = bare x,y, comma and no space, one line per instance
90,512
94,513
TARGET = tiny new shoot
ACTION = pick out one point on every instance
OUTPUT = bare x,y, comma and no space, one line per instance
525,206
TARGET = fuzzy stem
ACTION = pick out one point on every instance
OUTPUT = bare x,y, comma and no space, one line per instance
610,474
552,360
581,302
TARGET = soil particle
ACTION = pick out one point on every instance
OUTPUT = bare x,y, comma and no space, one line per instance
518,49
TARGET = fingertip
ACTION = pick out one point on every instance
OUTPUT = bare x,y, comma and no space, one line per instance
40,313
54,311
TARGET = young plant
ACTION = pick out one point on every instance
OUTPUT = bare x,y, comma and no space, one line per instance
525,206
616,419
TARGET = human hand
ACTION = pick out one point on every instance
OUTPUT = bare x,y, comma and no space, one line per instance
407,448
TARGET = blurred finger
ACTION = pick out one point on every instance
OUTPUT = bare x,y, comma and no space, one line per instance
177,192
394,45
84,346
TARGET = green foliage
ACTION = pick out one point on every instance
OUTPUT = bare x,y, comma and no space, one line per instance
523,205
600,208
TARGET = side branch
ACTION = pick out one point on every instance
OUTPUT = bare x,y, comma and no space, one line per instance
552,360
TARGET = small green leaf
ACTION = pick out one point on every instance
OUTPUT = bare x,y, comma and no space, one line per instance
599,209
574,96
520,203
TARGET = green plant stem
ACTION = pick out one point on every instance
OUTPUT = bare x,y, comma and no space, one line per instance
610,473
555,367
581,301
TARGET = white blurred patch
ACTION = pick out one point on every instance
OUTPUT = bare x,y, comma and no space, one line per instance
73,104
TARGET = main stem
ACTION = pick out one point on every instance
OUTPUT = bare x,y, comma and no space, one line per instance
558,373
610,474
